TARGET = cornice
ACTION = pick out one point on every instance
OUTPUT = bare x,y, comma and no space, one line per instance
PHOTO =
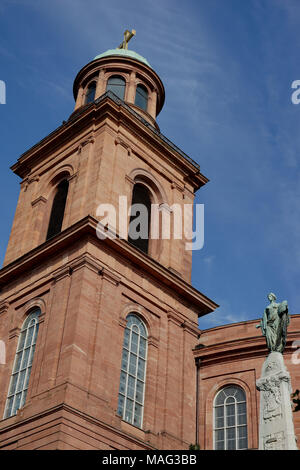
87,228
109,105
238,350
64,409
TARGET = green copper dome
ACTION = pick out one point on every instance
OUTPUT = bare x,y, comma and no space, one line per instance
124,53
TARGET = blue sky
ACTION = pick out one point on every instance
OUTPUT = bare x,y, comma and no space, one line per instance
227,66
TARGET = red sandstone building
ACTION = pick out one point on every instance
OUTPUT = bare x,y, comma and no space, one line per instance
103,349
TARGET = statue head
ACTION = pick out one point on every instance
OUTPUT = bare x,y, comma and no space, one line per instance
271,296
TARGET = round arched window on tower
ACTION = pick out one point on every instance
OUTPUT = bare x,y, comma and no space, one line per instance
91,92
141,97
116,84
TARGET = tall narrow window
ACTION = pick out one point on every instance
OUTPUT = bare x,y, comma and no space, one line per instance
140,218
230,419
133,372
116,84
141,97
22,366
58,209
90,93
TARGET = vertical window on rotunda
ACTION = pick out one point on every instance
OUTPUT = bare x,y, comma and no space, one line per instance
58,209
116,84
133,372
18,386
141,97
90,93
230,419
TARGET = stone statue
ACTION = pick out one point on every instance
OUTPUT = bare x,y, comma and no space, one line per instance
274,324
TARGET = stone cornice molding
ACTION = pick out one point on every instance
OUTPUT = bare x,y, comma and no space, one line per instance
86,261
177,186
61,412
89,140
119,141
175,318
61,273
110,106
110,276
191,329
87,228
238,349
186,325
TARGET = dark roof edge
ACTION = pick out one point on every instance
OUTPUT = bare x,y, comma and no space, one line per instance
109,94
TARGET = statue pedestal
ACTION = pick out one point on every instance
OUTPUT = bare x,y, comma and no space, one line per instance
276,427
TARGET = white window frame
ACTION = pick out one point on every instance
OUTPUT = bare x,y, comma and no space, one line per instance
225,427
135,376
18,386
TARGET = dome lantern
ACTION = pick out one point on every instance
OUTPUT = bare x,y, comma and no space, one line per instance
127,74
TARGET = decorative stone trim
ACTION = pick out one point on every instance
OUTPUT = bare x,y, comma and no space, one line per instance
174,317
177,186
83,261
165,207
36,302
192,329
30,180
86,261
119,141
14,332
4,306
89,140
59,274
73,176
129,180
152,341
174,271
38,201
110,276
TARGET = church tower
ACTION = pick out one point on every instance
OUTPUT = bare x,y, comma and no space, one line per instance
99,331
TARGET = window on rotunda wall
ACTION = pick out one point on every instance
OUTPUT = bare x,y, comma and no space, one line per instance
116,84
18,386
230,419
90,93
141,97
58,209
133,371
140,218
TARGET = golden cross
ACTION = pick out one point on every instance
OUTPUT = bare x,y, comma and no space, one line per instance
127,36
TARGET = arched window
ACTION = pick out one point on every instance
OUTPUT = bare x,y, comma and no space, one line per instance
230,419
90,93
22,366
140,218
58,209
116,84
141,97
133,372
